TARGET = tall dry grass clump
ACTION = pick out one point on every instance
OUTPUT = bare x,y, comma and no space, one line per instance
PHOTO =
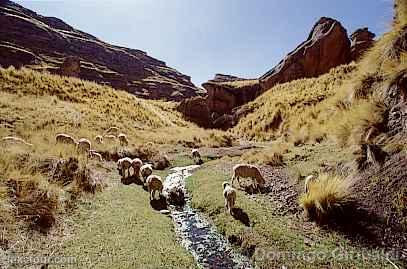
328,198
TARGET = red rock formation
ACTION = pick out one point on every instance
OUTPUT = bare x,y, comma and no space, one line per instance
361,40
327,46
29,39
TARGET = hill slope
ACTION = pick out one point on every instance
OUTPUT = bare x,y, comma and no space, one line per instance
29,39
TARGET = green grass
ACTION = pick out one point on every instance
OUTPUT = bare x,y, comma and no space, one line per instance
119,229
269,231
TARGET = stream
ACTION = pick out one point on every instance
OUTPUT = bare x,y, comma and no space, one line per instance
209,248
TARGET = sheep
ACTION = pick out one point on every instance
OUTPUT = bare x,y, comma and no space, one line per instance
308,180
145,171
112,130
99,139
65,139
196,156
136,164
16,140
247,170
124,165
123,139
154,183
229,193
110,138
83,145
95,155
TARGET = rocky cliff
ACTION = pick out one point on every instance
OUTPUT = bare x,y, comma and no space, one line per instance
327,46
46,43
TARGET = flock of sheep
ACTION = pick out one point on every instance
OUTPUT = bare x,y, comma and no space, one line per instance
83,145
144,172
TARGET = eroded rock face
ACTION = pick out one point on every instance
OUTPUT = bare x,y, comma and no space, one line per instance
327,46
361,40
396,99
195,109
29,39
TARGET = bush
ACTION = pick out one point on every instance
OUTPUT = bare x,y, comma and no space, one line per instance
327,198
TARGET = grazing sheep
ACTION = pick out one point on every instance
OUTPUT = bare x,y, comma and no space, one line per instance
123,139
84,145
248,170
99,139
93,154
65,139
110,138
112,130
124,165
145,171
154,183
196,156
136,164
229,193
13,139
308,180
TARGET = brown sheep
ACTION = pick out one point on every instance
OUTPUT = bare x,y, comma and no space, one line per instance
145,171
124,165
123,139
154,184
229,193
84,145
248,170
65,139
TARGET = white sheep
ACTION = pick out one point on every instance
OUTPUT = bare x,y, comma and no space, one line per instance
18,140
229,193
124,165
196,156
65,139
112,130
110,137
93,154
248,170
308,180
136,164
123,139
154,184
145,171
99,139
84,145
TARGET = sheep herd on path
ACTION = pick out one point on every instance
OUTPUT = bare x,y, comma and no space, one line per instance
128,167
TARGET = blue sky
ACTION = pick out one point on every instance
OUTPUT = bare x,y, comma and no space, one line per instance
200,38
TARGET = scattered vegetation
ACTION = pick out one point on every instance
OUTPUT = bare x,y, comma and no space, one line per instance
327,198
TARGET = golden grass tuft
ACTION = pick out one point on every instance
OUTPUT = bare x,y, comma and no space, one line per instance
327,197
272,156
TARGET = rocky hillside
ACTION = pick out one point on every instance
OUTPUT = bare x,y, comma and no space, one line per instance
47,43
326,47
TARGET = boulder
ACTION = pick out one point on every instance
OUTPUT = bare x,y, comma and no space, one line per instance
361,40
71,67
396,99
327,46
195,109
223,97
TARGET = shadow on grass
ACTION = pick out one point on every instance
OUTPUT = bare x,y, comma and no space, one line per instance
132,179
241,216
160,204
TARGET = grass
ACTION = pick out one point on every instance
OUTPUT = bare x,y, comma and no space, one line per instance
271,235
36,106
119,229
267,156
327,197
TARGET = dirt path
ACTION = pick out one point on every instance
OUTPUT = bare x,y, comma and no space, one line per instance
119,229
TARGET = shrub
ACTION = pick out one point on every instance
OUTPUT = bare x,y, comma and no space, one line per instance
327,198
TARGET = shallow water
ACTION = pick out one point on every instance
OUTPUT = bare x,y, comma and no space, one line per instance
210,249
